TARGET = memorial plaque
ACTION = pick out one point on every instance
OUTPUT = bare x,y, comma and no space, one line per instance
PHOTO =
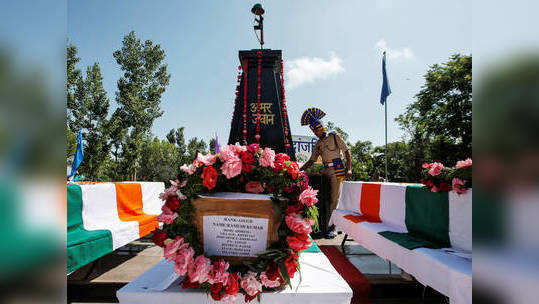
236,226
234,235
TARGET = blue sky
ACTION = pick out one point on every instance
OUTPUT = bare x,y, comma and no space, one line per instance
332,53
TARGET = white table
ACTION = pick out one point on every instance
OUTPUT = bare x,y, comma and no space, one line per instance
320,283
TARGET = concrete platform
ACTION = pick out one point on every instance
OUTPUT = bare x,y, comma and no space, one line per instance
98,282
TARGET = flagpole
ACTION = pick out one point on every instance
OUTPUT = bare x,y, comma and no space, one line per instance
383,99
385,107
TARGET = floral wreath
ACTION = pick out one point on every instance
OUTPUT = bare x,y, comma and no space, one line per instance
238,168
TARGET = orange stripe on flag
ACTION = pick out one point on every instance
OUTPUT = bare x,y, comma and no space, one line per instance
129,202
370,201
355,218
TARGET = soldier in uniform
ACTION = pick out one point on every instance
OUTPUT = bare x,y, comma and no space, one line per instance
330,147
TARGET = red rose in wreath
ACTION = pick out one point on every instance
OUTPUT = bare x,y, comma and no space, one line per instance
159,237
247,161
293,170
299,242
209,177
215,291
291,265
279,162
173,203
232,287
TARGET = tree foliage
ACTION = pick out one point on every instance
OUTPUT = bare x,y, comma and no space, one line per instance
194,146
139,94
95,124
161,160
440,119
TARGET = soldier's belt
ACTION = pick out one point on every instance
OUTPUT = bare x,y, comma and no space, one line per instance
337,165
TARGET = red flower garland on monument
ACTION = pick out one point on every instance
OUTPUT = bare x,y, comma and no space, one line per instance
245,85
258,91
285,115
237,92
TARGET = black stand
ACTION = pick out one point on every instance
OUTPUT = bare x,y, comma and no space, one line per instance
321,183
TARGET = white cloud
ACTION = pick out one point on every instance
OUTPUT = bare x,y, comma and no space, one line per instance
308,69
403,52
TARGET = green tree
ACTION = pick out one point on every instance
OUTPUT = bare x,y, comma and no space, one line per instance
195,146
177,137
139,95
396,162
161,160
440,119
95,124
362,161
73,87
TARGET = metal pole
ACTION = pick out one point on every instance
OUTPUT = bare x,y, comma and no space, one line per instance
385,107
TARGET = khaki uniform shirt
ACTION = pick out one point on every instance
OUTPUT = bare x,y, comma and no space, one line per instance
327,149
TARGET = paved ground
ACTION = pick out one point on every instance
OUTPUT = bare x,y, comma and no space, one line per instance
98,283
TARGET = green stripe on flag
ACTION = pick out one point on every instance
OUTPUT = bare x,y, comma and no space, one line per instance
314,248
83,246
408,241
427,220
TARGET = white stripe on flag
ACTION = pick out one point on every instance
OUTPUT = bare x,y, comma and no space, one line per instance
393,205
460,220
100,211
350,196
151,203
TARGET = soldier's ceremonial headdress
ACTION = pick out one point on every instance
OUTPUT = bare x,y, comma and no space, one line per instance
312,117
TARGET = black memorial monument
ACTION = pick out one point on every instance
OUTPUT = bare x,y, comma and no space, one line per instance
260,114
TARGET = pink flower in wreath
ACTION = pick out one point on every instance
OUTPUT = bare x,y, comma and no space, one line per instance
227,152
426,165
459,185
188,169
267,158
434,189
166,217
304,182
166,210
170,191
250,284
253,148
198,271
436,169
254,187
464,163
239,148
299,224
172,248
308,196
206,160
184,258
232,167
218,272
267,282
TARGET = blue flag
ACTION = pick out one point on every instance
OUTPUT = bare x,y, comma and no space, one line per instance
386,90
79,155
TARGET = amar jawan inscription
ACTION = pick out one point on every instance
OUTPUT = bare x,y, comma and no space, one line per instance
267,117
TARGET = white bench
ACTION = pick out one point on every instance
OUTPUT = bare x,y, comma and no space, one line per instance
448,270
